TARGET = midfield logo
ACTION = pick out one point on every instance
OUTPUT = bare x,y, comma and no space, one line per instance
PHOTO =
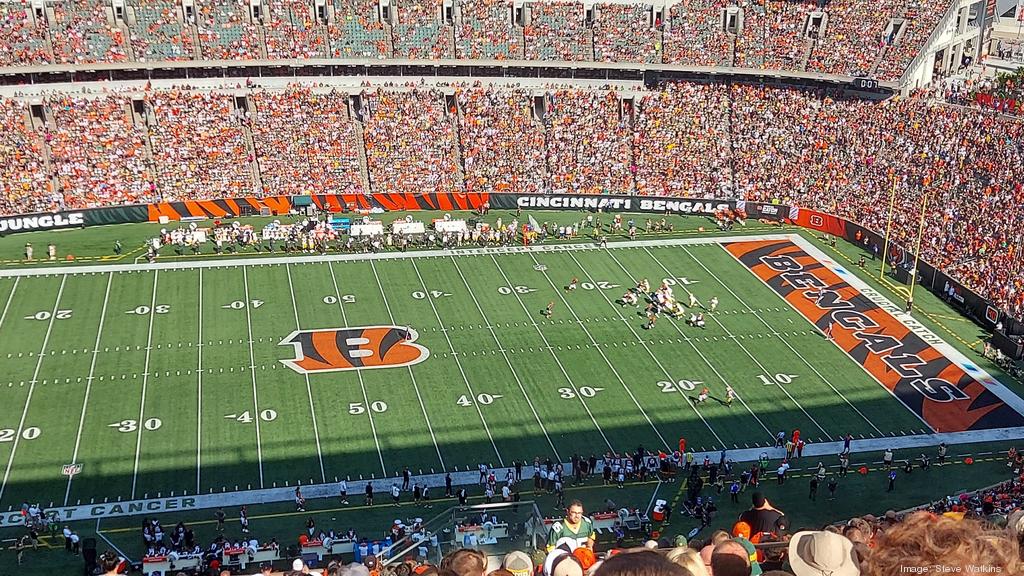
337,349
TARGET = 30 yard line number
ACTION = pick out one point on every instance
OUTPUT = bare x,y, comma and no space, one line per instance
143,310
506,290
584,391
150,424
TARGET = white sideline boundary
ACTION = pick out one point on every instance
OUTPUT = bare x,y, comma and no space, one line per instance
471,477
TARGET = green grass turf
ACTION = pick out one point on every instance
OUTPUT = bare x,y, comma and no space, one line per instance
155,424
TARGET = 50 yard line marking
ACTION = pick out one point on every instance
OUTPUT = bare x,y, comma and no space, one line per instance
32,383
309,390
551,350
88,383
252,371
458,363
507,360
359,374
145,381
605,357
412,376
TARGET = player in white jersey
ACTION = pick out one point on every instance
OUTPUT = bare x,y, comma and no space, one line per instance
713,303
693,300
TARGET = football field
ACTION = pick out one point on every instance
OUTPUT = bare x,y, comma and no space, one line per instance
200,377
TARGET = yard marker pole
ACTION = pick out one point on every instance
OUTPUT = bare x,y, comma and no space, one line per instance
601,352
458,363
554,356
88,384
309,390
917,249
888,228
507,360
359,374
32,384
199,385
145,380
252,371
412,376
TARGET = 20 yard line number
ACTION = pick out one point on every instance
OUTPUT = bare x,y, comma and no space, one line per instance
29,433
332,299
45,315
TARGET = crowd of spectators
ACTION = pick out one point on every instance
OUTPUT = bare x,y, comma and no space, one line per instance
558,31
84,32
291,31
920,20
357,31
306,142
22,40
158,34
773,34
487,31
676,125
420,32
695,36
502,141
626,33
411,141
589,142
854,36
24,183
225,31
98,154
199,146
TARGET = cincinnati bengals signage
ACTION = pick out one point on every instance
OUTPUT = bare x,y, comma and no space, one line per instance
337,349
936,388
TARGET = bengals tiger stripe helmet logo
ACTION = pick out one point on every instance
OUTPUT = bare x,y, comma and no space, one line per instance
336,349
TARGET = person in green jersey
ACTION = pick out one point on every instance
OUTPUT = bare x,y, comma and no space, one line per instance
575,526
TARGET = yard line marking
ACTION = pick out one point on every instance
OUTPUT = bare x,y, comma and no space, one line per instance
252,360
681,393
9,298
32,383
688,340
786,342
88,384
581,324
412,376
199,382
740,344
507,361
359,374
551,351
309,390
465,379
145,381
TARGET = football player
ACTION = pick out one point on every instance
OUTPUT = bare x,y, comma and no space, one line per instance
572,285
693,300
630,299
713,303
550,309
703,396
730,395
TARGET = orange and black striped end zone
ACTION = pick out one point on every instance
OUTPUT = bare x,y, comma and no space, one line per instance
933,386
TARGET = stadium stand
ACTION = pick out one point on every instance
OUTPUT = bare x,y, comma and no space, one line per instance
158,34
487,31
292,32
411,142
306,143
420,32
99,155
84,31
23,39
24,181
589,142
558,31
695,36
199,146
225,31
356,31
626,33
772,37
